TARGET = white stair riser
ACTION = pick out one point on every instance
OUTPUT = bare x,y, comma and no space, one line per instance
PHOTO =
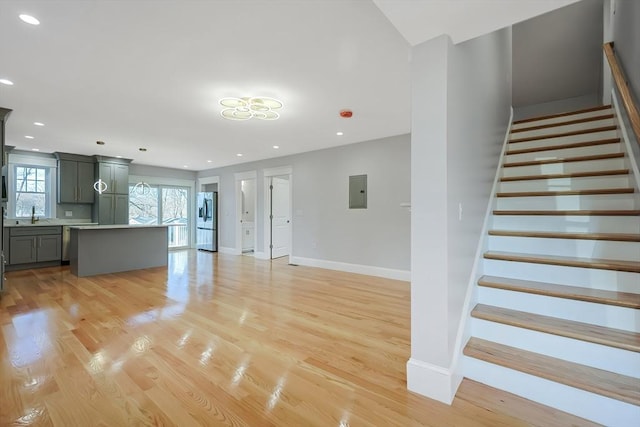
594,278
569,139
564,153
599,201
609,316
605,249
623,362
570,224
563,119
565,167
563,128
587,405
560,184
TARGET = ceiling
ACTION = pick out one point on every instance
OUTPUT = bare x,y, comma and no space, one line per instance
149,74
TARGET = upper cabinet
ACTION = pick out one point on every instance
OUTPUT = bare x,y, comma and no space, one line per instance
113,172
112,205
75,178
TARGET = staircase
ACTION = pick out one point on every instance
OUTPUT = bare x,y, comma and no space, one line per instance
558,313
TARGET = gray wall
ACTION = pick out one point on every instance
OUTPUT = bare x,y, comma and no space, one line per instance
626,36
479,106
558,55
144,170
323,226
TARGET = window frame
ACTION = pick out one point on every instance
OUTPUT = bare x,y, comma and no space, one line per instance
24,160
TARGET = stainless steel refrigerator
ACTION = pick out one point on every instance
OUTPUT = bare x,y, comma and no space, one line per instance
207,224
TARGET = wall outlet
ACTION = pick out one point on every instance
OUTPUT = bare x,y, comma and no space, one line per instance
459,211
68,213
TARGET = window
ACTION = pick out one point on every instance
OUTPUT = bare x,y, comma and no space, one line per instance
32,191
162,204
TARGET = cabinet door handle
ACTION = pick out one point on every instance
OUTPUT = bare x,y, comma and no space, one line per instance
75,193
79,193
39,242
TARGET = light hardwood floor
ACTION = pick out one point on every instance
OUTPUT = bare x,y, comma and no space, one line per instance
223,340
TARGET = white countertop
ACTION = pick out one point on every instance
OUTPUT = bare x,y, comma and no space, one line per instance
45,223
116,226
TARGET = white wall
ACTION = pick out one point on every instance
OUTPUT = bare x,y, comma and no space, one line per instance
461,101
626,36
323,227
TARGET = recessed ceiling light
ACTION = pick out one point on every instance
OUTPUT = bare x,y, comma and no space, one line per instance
29,19
339,133
185,166
119,157
209,161
276,146
239,154
28,136
6,82
35,149
38,123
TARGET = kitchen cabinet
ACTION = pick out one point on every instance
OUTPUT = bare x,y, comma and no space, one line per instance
112,209
34,244
75,178
112,206
115,175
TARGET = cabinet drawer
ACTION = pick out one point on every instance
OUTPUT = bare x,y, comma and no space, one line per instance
34,231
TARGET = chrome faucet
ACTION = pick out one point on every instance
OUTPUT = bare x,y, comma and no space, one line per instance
33,215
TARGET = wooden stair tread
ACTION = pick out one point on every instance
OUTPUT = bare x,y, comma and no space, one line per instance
565,175
601,212
590,192
599,381
565,328
597,263
565,123
565,160
563,134
620,299
614,237
563,114
564,146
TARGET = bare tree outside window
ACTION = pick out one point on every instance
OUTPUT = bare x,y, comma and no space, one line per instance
162,205
31,191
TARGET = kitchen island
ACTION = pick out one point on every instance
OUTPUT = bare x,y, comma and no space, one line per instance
106,249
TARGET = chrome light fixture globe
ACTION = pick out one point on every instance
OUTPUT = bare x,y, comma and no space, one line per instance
258,107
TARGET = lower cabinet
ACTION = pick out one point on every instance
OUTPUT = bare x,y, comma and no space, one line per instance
35,244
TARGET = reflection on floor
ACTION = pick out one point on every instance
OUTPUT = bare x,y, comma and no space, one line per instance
219,339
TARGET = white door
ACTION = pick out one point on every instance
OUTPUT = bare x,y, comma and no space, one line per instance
280,221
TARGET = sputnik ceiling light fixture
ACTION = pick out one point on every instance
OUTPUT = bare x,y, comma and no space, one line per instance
257,107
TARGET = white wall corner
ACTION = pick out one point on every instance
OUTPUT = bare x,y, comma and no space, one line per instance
232,251
369,270
434,382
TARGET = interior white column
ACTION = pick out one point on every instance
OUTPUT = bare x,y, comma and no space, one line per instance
428,370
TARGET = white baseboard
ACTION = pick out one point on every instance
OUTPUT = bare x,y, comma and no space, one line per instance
369,270
232,251
261,255
432,381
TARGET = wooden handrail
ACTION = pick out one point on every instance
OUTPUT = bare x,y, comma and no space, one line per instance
623,88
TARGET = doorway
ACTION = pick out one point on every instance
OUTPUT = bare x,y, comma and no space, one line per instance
246,213
278,212
280,219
